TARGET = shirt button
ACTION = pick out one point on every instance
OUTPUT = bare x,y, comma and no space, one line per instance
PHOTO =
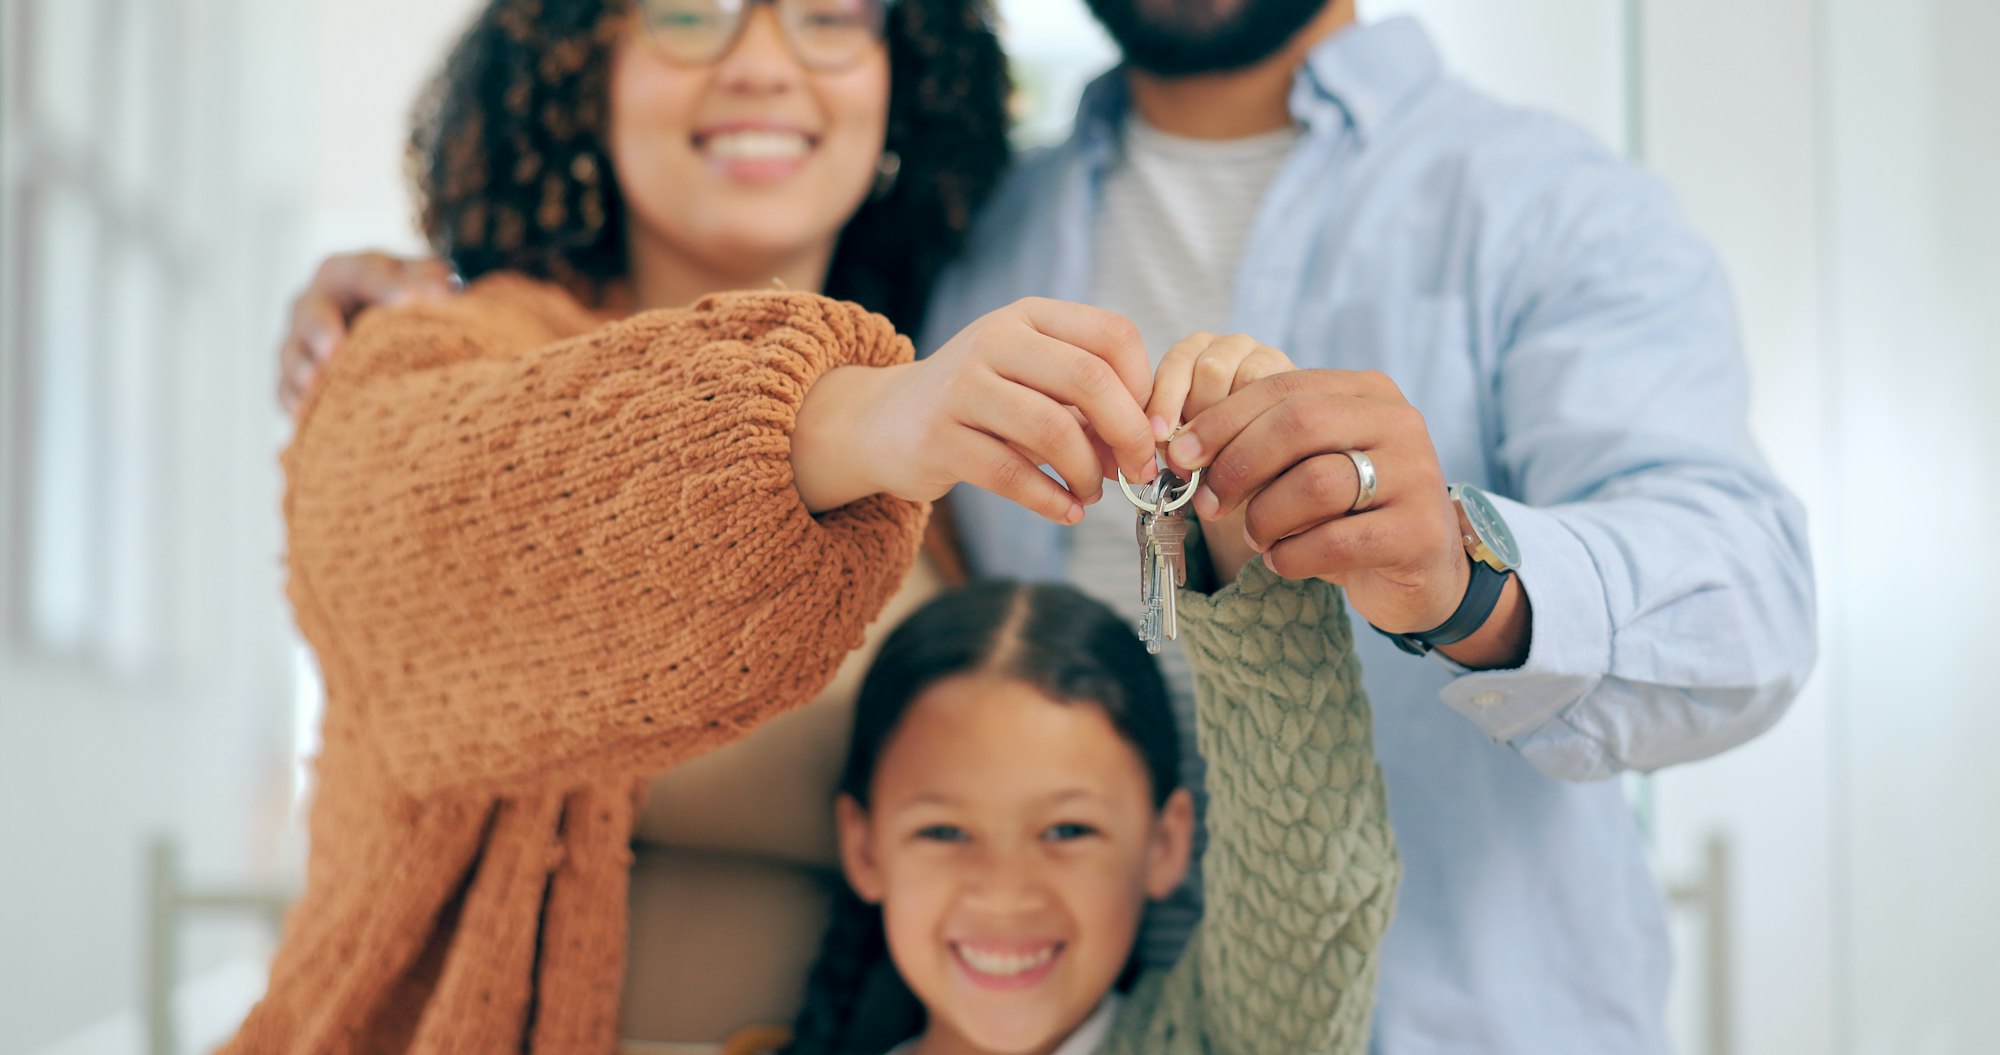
1489,698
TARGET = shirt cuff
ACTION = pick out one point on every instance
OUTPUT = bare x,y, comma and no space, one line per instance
1569,648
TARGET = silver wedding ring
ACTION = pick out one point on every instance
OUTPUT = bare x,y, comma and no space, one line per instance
1364,476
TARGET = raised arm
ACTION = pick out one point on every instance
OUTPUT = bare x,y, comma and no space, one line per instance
1671,584
1301,871
519,552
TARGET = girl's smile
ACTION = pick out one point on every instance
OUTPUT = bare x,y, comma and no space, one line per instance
1006,966
1012,841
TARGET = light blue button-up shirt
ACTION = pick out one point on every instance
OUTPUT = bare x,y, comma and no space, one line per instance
1573,348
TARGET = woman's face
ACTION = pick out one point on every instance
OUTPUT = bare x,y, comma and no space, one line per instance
752,162
1012,843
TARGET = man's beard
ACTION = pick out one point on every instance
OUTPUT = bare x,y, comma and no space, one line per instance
1176,38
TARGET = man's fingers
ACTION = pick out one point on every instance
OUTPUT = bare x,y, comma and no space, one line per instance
318,325
354,281
296,374
289,389
426,278
342,288
1214,428
1285,434
1107,335
1318,488
1335,548
999,468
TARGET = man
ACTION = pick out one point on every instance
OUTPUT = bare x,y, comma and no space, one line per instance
1266,166
1477,296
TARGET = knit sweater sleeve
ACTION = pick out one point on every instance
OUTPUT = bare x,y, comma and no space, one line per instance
528,547
1301,871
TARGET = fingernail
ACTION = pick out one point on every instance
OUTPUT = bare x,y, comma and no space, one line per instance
1186,451
1206,504
1149,472
1075,514
1251,541
1161,430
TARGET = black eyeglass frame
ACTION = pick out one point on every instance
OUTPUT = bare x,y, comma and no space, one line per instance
878,30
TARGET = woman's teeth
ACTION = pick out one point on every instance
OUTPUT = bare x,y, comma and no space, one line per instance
1005,964
757,146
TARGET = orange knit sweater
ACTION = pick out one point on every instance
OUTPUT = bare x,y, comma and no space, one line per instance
540,558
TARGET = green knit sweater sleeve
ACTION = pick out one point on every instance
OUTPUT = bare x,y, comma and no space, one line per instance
1301,871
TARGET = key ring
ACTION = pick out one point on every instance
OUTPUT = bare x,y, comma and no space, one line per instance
1161,505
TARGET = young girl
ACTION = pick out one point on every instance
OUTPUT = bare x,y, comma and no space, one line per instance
1010,804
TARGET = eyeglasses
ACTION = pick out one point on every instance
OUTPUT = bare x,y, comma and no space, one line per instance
825,35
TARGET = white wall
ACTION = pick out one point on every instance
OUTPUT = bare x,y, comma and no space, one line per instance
1913,306
173,729
292,126
1731,120
1563,56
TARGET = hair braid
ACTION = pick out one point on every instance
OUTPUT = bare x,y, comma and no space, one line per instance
856,1003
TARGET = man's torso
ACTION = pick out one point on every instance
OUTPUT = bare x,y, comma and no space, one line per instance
1529,920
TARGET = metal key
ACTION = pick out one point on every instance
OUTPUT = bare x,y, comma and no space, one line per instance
1152,583
1162,532
1170,548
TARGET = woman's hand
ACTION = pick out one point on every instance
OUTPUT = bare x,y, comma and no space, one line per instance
1039,382
342,288
1196,374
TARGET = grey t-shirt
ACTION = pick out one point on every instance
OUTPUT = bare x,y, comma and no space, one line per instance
1169,232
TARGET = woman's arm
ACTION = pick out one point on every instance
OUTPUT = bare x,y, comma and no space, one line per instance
1300,873
518,554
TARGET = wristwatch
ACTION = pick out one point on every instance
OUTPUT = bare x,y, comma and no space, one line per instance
1494,556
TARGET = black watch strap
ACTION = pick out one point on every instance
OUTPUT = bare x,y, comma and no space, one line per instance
1482,593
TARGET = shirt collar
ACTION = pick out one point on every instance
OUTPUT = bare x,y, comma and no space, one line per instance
1367,71
1359,77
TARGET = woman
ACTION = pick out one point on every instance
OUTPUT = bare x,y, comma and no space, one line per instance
547,548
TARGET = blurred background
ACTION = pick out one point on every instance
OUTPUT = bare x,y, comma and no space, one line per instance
170,170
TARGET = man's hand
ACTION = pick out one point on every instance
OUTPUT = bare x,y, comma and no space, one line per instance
1039,382
342,287
1273,452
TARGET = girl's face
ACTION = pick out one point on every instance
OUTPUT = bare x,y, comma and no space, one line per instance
1012,844
749,162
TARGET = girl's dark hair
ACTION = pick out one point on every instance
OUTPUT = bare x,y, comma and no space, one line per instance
1060,641
512,169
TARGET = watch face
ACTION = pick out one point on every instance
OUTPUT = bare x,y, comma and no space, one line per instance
1487,525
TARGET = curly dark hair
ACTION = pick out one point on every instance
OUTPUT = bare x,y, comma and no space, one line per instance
1061,641
512,173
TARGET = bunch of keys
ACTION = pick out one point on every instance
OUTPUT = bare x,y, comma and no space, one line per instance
1163,532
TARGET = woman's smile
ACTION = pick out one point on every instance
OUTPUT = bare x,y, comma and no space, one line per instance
756,152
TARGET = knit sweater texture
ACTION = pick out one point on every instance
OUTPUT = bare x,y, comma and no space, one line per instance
540,558
1301,871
